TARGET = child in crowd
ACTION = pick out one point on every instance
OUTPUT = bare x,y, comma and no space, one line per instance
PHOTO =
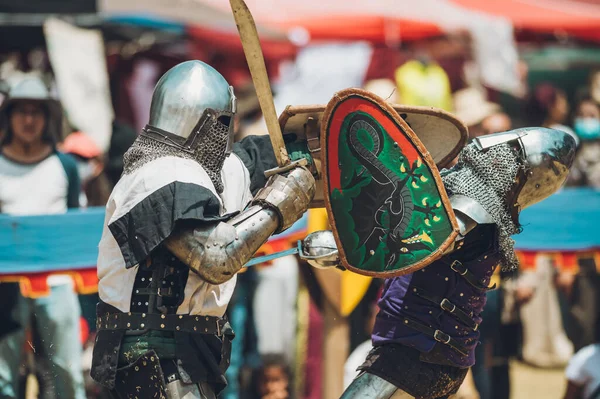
272,380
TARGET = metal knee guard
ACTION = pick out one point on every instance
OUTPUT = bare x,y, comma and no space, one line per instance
179,390
370,386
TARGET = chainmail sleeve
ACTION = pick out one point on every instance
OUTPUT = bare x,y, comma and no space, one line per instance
209,151
488,177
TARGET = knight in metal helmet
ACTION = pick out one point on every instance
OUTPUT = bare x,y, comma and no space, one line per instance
427,328
191,116
190,209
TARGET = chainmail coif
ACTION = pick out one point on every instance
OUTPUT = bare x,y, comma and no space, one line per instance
487,177
210,153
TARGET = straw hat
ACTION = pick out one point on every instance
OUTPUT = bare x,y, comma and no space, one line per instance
471,106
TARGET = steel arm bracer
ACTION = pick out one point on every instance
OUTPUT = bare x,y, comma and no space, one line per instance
469,213
217,251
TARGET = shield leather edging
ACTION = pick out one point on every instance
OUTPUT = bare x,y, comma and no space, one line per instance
338,98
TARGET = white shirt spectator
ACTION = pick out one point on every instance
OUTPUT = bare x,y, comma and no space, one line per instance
584,370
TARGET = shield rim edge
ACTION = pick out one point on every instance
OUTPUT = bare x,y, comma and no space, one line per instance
386,107
292,110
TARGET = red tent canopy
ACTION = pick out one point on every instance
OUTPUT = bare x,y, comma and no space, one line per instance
223,50
382,20
375,20
580,18
215,38
372,28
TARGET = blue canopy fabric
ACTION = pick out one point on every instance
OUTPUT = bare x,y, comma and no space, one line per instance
31,244
147,21
567,221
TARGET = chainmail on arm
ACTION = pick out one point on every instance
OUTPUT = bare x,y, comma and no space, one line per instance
210,152
487,177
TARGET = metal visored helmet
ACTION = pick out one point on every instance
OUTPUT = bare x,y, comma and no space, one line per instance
184,93
548,155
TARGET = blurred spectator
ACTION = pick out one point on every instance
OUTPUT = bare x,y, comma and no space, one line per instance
594,83
545,343
122,138
586,167
587,120
583,374
472,108
548,107
95,192
582,289
90,165
244,349
37,179
276,294
358,355
272,380
498,122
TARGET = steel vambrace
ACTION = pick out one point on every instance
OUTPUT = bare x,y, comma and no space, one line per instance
288,195
217,251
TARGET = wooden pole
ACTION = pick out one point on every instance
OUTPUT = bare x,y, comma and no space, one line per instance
335,351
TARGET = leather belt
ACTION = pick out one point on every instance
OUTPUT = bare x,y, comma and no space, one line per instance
465,273
446,305
438,335
160,291
165,322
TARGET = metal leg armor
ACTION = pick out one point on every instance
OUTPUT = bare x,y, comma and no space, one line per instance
370,386
179,390
146,378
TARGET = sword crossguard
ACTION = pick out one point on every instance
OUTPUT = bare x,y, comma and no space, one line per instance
286,168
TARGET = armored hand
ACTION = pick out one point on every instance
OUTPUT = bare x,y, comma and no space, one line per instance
319,249
288,195
217,251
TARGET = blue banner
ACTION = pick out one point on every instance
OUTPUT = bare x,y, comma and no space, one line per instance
567,221
30,244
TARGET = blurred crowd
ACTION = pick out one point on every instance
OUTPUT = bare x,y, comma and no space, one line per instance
545,316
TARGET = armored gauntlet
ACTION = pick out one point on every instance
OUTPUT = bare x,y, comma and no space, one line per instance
287,195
